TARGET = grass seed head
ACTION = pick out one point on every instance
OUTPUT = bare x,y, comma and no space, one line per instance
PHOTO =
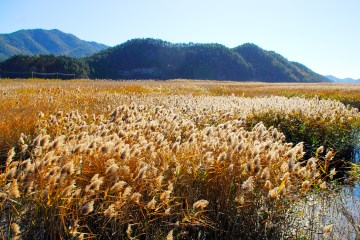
88,208
14,190
110,211
15,229
248,185
332,173
126,193
135,197
117,187
329,155
68,168
170,236
319,150
10,156
274,193
165,195
94,185
129,231
327,229
11,174
305,185
152,204
265,174
200,205
112,169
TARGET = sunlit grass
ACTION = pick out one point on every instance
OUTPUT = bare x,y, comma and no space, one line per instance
157,159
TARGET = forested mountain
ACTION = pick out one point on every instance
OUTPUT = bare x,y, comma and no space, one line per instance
272,67
157,59
40,41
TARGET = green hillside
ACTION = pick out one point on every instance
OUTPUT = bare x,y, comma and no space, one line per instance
157,59
150,58
272,67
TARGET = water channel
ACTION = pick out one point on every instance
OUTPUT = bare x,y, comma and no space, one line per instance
338,208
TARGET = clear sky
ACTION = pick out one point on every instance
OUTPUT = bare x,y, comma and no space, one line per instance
322,34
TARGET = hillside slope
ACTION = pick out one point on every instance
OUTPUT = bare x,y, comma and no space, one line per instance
148,59
272,67
157,59
151,58
40,41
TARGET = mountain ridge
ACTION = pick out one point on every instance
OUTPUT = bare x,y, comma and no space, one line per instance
41,41
342,80
273,66
148,58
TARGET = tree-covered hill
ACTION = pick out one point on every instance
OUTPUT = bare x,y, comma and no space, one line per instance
150,58
23,66
40,41
157,59
272,67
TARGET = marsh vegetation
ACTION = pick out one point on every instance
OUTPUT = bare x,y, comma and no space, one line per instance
175,159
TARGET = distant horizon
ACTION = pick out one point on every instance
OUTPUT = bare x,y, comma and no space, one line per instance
323,35
347,78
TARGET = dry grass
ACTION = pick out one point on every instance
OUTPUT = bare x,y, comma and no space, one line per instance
177,159
23,99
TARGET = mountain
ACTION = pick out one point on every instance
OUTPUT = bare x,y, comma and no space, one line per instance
344,80
157,59
272,67
40,41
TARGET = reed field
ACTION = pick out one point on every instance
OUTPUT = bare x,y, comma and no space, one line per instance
178,159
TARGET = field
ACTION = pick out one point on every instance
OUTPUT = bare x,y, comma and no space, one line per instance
177,159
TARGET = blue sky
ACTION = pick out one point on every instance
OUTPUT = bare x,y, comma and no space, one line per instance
322,34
